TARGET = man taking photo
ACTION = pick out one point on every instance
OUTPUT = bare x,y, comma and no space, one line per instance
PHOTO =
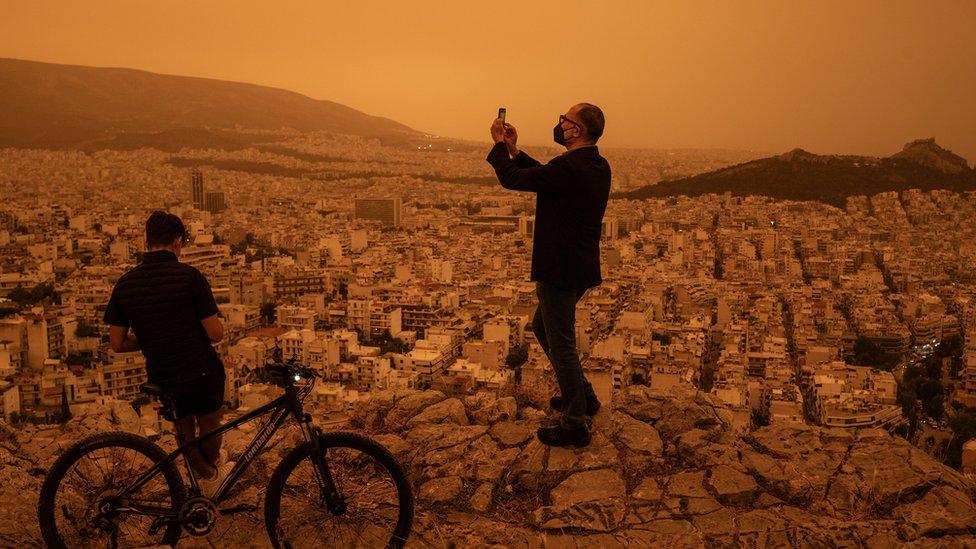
166,309
571,197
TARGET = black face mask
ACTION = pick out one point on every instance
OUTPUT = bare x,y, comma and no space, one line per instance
559,134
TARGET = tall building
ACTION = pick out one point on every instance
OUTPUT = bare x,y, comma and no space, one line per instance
213,201
196,183
385,210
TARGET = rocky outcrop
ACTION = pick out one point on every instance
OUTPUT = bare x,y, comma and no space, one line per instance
674,468
662,470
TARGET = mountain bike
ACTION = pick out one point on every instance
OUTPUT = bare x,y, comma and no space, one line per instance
336,489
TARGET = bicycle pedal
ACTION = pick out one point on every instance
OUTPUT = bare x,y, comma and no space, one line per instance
242,508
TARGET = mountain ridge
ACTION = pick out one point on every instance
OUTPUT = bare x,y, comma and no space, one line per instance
802,175
50,105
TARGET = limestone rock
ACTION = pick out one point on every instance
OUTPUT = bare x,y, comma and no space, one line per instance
588,486
599,454
598,515
445,411
481,499
396,445
648,489
639,437
503,409
440,490
687,484
511,433
732,487
639,402
409,406
942,511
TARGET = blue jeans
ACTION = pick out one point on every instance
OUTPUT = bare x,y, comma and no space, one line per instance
554,325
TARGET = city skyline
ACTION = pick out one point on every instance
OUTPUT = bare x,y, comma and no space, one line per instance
829,79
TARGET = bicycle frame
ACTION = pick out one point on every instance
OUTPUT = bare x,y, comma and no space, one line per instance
279,408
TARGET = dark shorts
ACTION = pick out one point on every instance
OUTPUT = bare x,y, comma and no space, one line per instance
197,393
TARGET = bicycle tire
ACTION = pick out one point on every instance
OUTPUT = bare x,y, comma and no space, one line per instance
60,468
353,441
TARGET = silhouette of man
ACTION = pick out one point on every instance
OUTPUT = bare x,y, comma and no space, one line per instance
172,315
571,198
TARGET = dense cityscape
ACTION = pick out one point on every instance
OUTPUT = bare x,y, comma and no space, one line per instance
788,312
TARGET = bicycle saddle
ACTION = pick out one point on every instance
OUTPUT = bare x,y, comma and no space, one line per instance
153,390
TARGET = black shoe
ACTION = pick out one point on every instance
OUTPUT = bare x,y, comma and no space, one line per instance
560,436
592,405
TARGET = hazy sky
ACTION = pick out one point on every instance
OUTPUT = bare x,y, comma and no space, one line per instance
846,76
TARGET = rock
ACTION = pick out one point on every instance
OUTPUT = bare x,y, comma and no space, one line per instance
639,437
599,454
696,411
445,411
369,415
432,436
942,511
732,487
597,515
396,445
529,467
588,486
440,490
639,402
700,506
481,499
410,405
687,484
529,413
715,524
511,433
648,490
493,469
503,409
125,416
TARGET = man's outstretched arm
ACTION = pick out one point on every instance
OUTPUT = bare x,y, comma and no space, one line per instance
534,178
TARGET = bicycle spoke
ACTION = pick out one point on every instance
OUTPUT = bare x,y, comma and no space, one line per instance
370,494
96,477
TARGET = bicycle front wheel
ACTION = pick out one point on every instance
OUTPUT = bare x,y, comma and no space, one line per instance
378,500
84,497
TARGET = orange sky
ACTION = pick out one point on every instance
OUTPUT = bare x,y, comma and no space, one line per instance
840,76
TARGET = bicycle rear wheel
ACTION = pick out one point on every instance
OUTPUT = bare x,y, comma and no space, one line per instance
379,502
76,504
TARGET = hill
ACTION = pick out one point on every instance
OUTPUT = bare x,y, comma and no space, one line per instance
675,469
46,105
801,175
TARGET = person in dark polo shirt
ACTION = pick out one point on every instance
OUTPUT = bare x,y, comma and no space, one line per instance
571,197
166,309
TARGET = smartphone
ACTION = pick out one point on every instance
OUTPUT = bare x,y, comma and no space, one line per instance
501,114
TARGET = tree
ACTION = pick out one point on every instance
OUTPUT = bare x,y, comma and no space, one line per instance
963,425
268,311
84,329
65,409
517,356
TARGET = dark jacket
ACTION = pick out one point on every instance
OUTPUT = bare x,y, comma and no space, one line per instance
163,302
571,198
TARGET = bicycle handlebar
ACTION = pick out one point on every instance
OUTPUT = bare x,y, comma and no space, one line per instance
290,373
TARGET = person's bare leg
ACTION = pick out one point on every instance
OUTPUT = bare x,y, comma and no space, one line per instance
188,432
210,448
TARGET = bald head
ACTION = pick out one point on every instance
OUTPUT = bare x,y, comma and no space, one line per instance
592,119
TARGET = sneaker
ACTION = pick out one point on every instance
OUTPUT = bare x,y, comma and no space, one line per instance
592,405
210,485
560,436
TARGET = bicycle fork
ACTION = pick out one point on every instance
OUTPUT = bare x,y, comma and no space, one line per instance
329,493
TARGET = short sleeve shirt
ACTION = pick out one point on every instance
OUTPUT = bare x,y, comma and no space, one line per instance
163,302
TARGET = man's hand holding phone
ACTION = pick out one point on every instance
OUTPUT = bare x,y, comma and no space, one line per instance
511,140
